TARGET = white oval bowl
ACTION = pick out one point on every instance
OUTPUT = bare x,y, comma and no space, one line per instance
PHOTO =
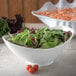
51,22
42,57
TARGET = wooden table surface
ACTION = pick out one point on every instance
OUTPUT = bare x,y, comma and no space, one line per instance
64,65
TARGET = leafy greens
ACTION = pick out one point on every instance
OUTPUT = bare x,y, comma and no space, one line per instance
41,38
4,29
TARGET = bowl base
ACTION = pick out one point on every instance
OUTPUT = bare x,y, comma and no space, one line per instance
40,65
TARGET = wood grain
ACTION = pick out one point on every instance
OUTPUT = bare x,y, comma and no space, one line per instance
70,1
54,1
15,7
3,8
30,5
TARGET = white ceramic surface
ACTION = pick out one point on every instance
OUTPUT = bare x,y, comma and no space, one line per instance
53,22
42,57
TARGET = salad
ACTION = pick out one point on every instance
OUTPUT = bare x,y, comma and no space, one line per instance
14,24
40,38
10,25
68,14
4,29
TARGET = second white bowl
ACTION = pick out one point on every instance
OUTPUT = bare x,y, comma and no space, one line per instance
54,22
